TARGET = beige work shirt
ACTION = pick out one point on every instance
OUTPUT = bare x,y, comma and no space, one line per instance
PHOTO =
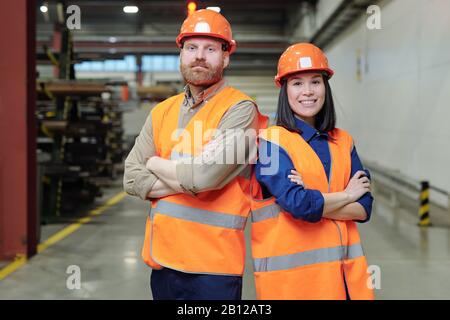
198,176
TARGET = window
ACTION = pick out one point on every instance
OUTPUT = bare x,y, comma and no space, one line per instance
128,64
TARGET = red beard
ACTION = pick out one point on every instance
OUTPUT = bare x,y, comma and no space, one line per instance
201,77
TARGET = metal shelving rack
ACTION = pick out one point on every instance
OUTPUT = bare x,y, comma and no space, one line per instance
82,132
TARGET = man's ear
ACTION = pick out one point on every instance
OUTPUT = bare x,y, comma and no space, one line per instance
226,59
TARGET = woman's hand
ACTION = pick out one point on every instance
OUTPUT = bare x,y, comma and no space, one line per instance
358,185
296,177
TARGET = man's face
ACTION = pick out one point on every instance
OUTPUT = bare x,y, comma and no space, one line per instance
202,61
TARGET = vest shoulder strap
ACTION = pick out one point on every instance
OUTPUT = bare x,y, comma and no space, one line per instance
243,95
272,133
162,107
281,137
160,110
233,96
343,137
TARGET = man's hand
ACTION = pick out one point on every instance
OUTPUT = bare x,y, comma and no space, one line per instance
149,162
165,170
160,190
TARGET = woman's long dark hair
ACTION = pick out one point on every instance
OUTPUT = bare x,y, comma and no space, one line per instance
325,120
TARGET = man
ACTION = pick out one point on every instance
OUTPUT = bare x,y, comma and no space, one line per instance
194,238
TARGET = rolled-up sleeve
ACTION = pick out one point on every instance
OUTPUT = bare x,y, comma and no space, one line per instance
137,179
226,156
366,200
301,203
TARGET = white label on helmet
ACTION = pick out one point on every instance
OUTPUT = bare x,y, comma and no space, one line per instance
202,27
305,62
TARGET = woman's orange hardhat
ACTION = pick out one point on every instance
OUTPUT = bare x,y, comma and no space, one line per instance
301,57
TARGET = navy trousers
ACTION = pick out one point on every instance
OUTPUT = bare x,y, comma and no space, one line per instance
168,284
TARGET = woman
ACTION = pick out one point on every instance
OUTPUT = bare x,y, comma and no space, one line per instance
305,242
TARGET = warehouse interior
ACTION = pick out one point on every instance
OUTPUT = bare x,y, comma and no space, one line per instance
79,78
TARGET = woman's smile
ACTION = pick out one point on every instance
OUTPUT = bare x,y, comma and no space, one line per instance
308,102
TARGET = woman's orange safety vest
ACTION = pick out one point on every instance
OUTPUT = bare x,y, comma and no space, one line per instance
295,259
202,233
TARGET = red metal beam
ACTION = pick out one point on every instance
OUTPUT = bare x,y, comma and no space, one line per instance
18,216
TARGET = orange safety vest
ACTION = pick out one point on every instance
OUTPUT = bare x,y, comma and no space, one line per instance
202,233
295,259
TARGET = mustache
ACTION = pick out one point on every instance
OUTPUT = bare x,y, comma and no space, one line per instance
200,64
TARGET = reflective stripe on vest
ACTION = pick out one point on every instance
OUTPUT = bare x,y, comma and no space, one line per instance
305,258
211,218
267,212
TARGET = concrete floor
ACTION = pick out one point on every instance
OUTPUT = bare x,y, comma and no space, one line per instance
414,262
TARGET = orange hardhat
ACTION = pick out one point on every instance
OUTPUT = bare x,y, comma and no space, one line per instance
209,23
301,57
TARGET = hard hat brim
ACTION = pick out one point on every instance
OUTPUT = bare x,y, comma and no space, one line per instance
231,44
278,79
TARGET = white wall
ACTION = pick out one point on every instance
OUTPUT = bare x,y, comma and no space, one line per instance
399,112
324,10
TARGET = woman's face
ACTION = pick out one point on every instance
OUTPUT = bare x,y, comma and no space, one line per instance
306,94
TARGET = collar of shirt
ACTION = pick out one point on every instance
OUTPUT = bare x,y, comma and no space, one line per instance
308,132
208,93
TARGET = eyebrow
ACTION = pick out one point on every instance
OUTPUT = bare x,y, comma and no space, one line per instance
301,78
205,45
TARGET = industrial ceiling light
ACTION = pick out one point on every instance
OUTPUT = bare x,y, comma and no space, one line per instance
112,39
191,7
130,9
44,8
216,9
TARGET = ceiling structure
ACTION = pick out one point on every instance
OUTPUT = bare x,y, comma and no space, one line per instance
262,28
106,31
